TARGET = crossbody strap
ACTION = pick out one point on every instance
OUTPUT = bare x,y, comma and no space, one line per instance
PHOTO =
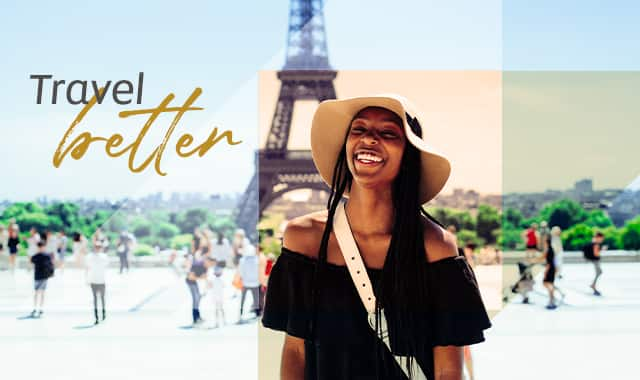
353,259
361,281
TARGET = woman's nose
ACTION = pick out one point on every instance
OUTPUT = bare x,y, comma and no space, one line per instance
370,138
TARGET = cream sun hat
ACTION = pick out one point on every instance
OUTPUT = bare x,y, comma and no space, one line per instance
332,120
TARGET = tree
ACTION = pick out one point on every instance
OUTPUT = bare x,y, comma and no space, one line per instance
224,224
488,221
461,219
181,241
597,218
141,227
117,223
630,237
39,221
612,237
577,236
563,213
510,237
19,208
468,236
513,216
191,219
67,212
165,230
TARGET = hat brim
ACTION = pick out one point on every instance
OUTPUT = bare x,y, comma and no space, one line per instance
329,128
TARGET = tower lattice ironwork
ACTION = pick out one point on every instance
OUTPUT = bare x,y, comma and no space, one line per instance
306,75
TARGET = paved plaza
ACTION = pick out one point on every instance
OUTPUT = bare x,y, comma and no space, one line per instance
147,333
586,338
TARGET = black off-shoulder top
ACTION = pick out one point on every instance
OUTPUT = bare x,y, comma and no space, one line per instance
342,348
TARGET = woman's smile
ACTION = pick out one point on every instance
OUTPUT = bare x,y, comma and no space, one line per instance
368,158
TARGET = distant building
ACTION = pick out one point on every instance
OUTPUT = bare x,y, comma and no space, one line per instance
463,199
584,187
618,204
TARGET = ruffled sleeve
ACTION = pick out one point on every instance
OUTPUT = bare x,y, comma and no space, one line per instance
458,313
288,304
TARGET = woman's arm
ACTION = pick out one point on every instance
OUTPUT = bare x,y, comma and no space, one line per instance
447,362
292,364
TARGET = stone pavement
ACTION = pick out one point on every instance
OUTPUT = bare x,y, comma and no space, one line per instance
587,337
147,333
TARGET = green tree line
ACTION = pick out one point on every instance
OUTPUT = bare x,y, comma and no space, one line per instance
490,226
152,228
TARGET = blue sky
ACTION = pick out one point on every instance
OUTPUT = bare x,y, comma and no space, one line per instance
571,35
220,46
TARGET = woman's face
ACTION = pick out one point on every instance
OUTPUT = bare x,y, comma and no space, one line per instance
374,147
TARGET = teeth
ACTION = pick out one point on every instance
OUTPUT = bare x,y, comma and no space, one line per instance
368,157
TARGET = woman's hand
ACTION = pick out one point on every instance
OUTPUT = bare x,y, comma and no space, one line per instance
292,364
447,362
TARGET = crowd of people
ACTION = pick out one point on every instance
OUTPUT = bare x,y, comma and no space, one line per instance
205,263
210,253
544,246
47,253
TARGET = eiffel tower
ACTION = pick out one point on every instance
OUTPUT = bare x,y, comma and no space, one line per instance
306,75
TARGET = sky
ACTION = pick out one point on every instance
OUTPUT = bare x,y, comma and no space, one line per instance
222,48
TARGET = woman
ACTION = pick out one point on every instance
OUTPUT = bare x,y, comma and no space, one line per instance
530,235
239,241
206,238
195,242
556,244
371,150
79,249
550,273
221,251
13,242
198,266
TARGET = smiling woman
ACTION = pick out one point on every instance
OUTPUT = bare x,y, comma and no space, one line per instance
373,288
374,136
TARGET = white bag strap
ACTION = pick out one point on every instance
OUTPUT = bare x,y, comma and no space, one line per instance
353,259
361,280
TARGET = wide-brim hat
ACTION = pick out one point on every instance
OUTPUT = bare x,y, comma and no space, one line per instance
332,120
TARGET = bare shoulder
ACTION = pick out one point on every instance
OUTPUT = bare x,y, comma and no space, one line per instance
438,242
304,233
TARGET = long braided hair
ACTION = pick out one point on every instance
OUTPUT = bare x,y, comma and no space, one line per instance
402,290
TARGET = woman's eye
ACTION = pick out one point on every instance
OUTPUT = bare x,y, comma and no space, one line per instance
388,134
358,130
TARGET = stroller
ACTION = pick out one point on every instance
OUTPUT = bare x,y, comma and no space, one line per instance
524,285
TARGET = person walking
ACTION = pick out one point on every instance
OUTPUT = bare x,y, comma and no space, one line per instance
12,245
216,290
239,241
79,249
543,233
592,253
221,251
61,249
43,269
198,266
248,272
123,248
558,250
95,274
530,236
550,273
52,244
32,242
